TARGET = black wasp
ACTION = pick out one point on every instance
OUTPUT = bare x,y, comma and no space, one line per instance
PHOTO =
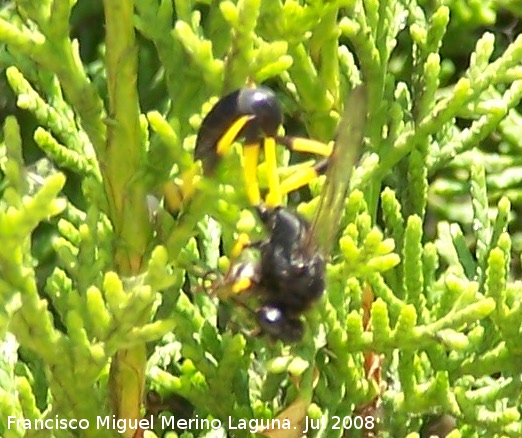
290,273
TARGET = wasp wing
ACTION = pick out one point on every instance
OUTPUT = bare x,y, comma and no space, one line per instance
346,152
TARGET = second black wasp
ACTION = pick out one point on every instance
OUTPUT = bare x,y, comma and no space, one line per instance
289,274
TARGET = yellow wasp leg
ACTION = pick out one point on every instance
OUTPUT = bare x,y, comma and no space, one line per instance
303,176
250,160
241,243
274,197
177,192
173,196
307,145
224,143
242,283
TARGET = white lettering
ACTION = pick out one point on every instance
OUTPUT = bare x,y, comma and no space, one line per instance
102,422
47,423
11,419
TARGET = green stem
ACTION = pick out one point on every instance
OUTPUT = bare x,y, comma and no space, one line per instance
125,152
125,190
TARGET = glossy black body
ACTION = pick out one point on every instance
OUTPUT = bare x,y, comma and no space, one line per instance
260,103
292,273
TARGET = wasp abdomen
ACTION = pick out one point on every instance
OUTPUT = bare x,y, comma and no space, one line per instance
225,121
292,272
